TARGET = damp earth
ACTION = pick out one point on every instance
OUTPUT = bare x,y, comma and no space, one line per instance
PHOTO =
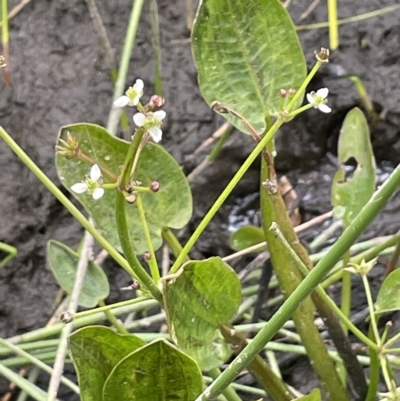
60,75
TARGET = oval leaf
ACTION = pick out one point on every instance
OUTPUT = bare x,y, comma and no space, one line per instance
95,352
245,52
350,194
63,262
171,206
388,297
205,295
247,236
156,372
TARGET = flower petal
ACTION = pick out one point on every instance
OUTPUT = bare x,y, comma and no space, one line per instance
159,114
98,193
139,119
324,108
323,93
156,134
310,98
95,173
139,85
79,187
121,101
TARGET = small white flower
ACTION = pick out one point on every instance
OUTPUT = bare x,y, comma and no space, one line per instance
132,95
319,99
91,184
152,121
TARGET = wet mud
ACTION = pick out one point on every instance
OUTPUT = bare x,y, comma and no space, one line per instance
60,75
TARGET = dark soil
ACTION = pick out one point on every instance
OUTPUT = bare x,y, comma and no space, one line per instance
60,75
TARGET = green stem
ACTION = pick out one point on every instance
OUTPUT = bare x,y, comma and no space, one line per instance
345,304
325,297
173,242
34,391
131,158
155,40
155,272
273,213
5,40
125,59
333,25
349,236
229,392
221,199
356,18
126,244
303,86
55,330
113,320
273,385
66,202
38,363
11,253
371,307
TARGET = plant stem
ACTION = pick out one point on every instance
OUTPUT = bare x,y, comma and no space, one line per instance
221,199
333,25
173,242
113,320
353,231
272,384
345,304
325,297
129,252
34,391
11,253
356,18
5,40
155,40
66,202
135,305
58,367
137,5
155,272
229,392
273,213
37,362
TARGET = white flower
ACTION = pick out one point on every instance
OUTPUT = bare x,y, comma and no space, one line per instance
91,185
319,99
132,95
152,121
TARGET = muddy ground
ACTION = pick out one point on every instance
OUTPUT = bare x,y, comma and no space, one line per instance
60,75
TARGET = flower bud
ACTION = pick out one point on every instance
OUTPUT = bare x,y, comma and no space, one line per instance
66,317
131,198
155,186
282,93
156,103
322,55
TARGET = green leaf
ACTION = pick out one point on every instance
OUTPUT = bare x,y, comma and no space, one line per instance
63,262
350,194
95,352
245,52
171,206
388,297
204,295
315,395
156,372
247,236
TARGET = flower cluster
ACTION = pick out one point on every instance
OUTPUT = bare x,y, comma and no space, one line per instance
150,118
